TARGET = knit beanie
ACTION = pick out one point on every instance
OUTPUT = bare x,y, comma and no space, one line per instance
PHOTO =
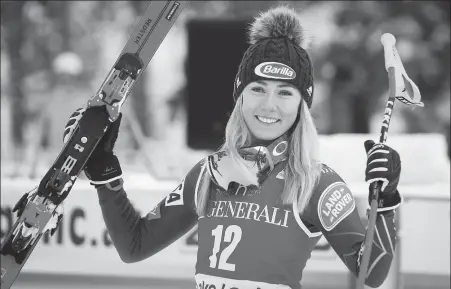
276,53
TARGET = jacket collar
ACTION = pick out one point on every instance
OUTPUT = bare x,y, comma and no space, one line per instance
268,156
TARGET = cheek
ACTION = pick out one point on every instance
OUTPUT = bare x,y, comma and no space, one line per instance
290,110
247,114
247,109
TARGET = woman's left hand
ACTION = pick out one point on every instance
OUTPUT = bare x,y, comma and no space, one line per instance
383,164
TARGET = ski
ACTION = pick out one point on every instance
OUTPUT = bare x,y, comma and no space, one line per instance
40,211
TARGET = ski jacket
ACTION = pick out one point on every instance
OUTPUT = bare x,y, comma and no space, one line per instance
247,238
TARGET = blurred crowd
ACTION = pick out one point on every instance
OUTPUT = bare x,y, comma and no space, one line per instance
55,54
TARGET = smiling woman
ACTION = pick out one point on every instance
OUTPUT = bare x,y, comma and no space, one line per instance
270,108
264,199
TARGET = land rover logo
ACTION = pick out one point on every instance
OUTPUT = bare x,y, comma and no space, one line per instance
275,70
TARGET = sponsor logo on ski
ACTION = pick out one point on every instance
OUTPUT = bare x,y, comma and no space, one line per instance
68,164
335,204
3,272
275,70
175,198
143,30
174,8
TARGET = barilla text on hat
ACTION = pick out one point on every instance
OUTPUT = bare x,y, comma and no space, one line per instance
275,70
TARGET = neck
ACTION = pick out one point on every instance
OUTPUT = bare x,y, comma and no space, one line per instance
260,142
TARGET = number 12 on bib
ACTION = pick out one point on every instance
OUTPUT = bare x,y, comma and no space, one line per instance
39,211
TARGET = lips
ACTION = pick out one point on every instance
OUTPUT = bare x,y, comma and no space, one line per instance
267,120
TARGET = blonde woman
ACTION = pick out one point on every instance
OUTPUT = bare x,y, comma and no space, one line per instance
264,199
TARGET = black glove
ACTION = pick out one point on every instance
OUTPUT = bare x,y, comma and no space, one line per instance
384,164
102,166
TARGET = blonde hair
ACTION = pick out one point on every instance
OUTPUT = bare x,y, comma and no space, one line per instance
303,168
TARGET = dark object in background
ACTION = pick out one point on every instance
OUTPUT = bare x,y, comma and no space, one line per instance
215,50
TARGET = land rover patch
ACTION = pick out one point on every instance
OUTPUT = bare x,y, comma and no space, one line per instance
335,204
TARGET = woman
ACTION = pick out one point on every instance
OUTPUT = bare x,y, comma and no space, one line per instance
264,199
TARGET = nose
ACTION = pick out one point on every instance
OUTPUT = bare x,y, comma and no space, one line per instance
269,102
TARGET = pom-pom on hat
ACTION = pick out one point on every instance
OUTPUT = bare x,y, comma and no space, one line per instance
277,52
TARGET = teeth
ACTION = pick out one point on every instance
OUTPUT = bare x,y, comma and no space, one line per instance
267,119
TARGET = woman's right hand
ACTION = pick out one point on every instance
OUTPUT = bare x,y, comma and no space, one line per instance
102,166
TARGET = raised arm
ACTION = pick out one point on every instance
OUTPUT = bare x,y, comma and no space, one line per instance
137,238
335,214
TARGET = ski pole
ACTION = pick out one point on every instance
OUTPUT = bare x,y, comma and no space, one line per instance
401,87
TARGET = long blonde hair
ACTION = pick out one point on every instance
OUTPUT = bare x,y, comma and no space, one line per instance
303,168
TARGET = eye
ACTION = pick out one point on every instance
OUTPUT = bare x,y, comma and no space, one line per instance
285,93
257,89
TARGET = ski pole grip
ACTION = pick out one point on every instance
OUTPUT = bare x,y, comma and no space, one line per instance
389,41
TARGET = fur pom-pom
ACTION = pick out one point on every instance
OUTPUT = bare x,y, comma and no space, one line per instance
277,22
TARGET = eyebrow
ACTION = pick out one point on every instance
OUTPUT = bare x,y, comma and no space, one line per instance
280,85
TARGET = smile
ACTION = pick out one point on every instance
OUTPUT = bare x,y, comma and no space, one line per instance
267,120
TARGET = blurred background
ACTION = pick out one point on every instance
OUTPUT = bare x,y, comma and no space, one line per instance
55,55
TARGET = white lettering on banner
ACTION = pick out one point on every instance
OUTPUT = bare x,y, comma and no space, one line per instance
335,204
69,232
175,198
245,210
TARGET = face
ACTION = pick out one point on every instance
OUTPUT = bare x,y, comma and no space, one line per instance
270,108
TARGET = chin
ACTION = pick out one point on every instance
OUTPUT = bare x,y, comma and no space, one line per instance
267,136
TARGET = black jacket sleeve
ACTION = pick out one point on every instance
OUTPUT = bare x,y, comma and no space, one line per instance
137,238
333,211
